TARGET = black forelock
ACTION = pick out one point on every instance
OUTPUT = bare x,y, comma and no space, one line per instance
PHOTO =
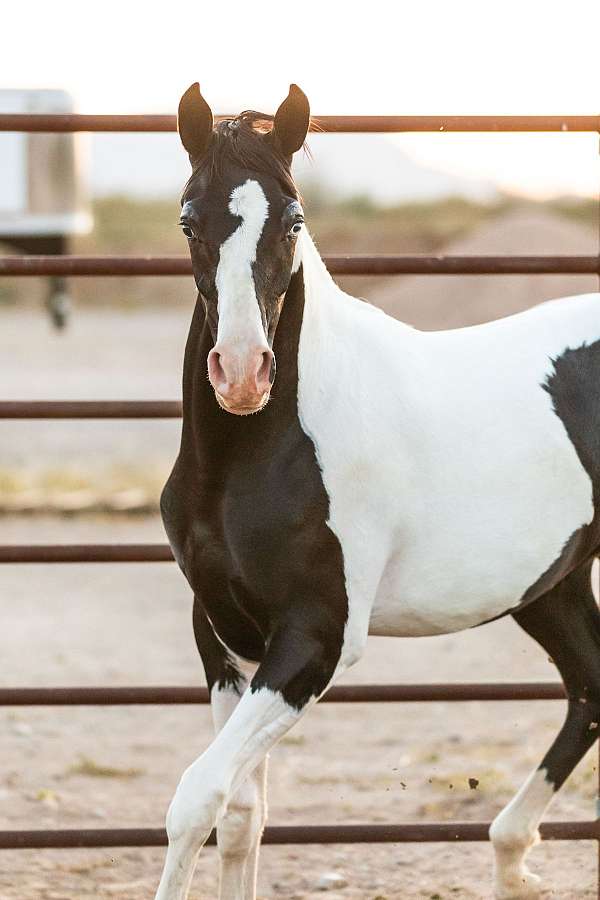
244,142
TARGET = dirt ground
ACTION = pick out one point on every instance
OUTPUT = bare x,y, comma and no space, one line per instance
102,767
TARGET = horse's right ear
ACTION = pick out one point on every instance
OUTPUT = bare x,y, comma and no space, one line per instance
291,122
194,122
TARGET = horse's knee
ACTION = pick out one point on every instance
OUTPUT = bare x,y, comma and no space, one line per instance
193,809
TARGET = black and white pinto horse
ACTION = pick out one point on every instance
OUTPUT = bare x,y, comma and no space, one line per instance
397,483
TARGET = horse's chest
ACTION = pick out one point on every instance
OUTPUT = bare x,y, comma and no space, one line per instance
242,535
256,543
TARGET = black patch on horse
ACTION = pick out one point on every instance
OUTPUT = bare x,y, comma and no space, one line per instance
574,387
244,142
246,512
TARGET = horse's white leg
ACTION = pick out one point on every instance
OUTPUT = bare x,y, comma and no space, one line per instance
300,664
240,828
238,835
258,722
514,832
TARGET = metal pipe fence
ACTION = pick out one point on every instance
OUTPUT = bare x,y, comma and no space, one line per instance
451,832
347,693
339,264
329,124
90,409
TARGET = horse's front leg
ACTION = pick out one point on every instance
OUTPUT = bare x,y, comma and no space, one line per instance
303,657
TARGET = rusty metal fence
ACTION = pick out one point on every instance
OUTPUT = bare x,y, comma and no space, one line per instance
155,553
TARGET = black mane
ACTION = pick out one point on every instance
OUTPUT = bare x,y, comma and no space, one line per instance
246,141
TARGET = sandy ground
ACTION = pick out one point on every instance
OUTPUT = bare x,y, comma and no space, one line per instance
102,767
104,354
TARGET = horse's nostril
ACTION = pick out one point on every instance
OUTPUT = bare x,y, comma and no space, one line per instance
272,370
216,373
265,370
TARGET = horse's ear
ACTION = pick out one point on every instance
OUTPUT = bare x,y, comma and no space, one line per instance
291,121
194,122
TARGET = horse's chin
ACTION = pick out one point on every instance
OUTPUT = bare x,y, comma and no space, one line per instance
241,409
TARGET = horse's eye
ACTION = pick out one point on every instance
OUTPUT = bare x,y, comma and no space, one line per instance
187,231
295,229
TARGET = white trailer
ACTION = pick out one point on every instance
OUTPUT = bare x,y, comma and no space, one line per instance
44,199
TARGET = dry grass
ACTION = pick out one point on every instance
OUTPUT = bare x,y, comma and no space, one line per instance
90,768
65,490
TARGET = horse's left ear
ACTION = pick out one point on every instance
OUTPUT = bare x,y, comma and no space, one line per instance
291,121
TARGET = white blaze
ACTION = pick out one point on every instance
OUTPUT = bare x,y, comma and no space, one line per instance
240,321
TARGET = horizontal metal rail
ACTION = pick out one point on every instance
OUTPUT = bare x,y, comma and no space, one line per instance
409,833
346,693
338,264
85,553
90,409
137,122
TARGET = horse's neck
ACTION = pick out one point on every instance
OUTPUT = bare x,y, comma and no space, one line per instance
355,363
325,306
341,332
321,337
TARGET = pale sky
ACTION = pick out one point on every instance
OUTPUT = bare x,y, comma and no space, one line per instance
395,57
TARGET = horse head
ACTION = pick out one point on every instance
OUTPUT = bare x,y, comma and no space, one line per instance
242,215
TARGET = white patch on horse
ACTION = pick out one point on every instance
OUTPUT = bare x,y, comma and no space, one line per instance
239,315
514,831
455,486
296,261
255,724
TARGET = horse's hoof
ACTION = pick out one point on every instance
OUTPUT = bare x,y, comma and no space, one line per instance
525,886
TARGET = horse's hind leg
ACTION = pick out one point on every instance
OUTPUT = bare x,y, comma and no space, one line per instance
240,828
566,622
238,836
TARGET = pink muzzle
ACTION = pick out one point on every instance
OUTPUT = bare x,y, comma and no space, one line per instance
241,379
